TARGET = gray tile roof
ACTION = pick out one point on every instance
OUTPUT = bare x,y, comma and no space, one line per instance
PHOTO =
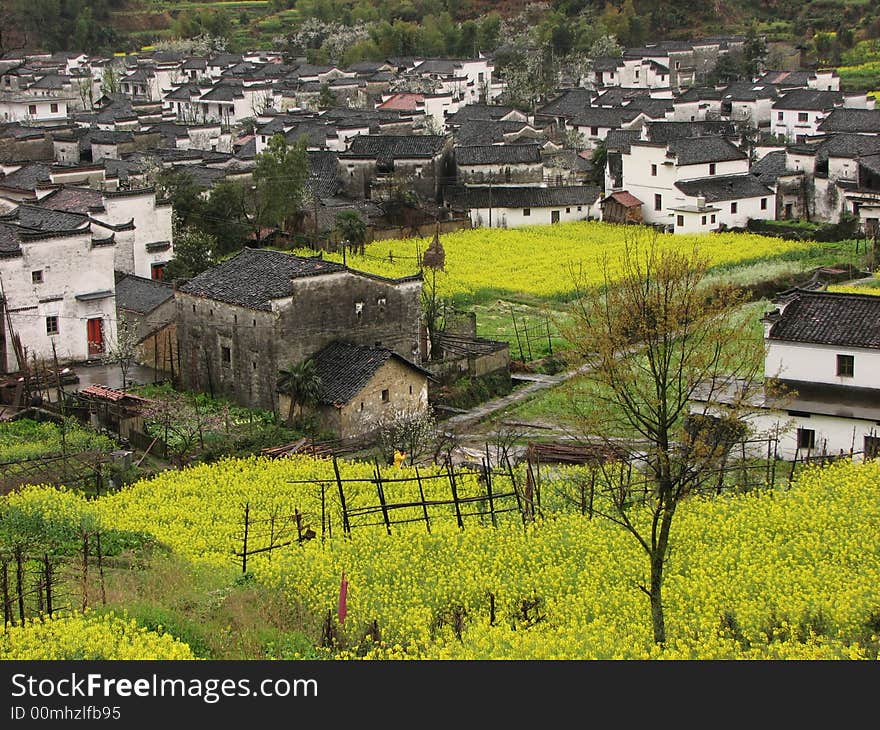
724,187
663,132
770,167
617,96
485,112
852,120
254,277
604,117
27,177
74,200
346,369
568,103
9,241
323,173
619,140
498,154
141,295
479,132
36,218
395,146
828,318
697,150
809,100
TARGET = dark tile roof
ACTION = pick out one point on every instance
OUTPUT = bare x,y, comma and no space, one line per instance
568,103
254,277
102,136
248,150
607,117
117,110
699,93
27,177
9,241
852,120
346,369
664,132
871,163
223,91
395,146
484,112
74,200
617,96
619,140
724,187
51,81
442,66
847,145
36,218
747,91
828,318
498,154
184,92
697,150
525,196
770,167
323,173
478,132
809,100
606,63
141,295
316,133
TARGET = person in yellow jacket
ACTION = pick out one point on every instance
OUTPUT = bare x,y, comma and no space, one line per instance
399,458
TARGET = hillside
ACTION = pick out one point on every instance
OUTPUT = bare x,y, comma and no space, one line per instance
129,24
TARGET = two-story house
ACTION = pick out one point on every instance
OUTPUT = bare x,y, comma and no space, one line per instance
823,360
244,321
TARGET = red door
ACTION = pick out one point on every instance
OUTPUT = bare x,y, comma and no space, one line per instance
95,334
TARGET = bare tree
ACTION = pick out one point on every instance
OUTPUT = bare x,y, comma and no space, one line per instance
675,376
410,430
123,351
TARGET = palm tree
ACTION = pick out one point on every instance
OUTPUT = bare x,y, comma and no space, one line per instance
302,384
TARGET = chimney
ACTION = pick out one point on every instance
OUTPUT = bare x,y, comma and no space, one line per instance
701,202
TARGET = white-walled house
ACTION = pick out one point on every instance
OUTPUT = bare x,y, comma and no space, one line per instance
651,170
22,107
799,114
707,203
826,347
823,349
140,224
59,287
512,207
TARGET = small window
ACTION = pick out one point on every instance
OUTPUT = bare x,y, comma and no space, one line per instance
53,108
763,203
386,395
225,355
380,302
32,109
803,116
359,309
157,272
37,276
779,116
637,73
210,312
52,325
527,211
704,220
733,207
679,220
658,201
845,365
580,208
362,405
654,170
255,323
410,390
711,168
568,210
594,131
194,308
712,219
806,438
254,363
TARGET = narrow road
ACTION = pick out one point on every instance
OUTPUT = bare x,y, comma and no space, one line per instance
536,383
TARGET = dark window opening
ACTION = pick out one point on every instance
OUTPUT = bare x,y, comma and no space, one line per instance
527,211
711,168
658,201
225,355
52,325
846,365
679,220
37,276
386,395
763,203
806,438
733,207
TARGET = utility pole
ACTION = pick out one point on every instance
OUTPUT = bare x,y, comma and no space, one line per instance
490,202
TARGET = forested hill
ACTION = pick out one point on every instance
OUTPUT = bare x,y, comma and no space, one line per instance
421,27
